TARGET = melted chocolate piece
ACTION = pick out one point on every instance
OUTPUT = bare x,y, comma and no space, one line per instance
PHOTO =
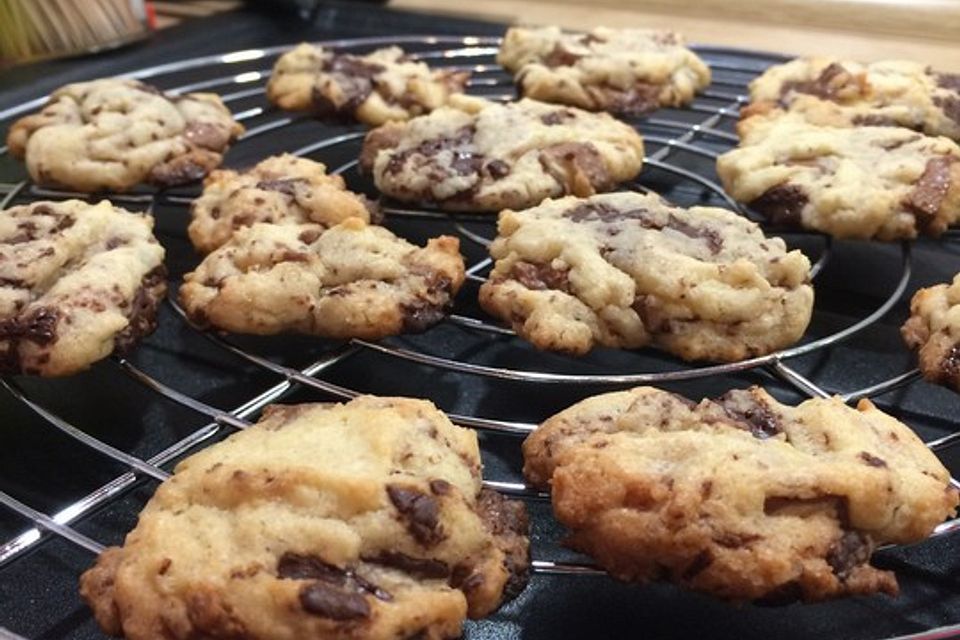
376,141
420,316
822,87
539,276
421,512
572,163
498,169
710,236
782,204
872,460
640,99
293,566
440,487
465,159
326,601
509,523
874,120
597,211
950,106
605,213
423,568
39,326
309,236
207,135
287,186
142,316
851,550
928,194
355,78
950,365
743,408
180,170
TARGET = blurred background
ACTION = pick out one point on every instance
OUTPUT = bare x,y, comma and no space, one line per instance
867,29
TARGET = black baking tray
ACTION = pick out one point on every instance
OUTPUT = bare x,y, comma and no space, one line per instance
47,470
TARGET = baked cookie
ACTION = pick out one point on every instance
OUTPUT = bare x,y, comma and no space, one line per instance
740,497
280,189
352,280
77,282
933,330
843,93
626,71
109,135
886,183
353,521
629,270
476,155
374,88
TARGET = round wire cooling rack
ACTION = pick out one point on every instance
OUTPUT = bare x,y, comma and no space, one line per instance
477,353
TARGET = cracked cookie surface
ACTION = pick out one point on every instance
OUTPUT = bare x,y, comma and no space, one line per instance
357,520
624,71
476,155
629,270
374,88
933,331
886,183
77,283
741,497
111,134
352,280
843,93
280,190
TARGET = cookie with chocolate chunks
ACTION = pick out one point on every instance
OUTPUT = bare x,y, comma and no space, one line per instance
629,270
884,183
281,189
374,88
844,93
624,71
741,497
78,282
352,280
342,521
477,155
933,331
111,134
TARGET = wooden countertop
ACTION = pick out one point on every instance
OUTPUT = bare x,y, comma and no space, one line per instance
923,30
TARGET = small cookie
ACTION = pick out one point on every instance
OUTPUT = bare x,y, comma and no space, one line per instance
629,270
625,71
476,155
374,88
886,183
740,497
933,330
842,93
353,521
352,280
109,135
281,190
77,283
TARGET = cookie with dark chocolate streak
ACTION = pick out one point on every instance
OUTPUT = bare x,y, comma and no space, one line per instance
741,497
361,520
77,283
476,155
630,270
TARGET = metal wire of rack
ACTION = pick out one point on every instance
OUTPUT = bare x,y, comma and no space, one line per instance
697,131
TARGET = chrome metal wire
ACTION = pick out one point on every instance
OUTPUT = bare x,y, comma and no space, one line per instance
700,137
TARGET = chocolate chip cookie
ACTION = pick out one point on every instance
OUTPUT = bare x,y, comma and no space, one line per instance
629,270
886,183
843,93
374,88
476,155
109,135
933,330
280,189
352,521
352,280
740,497
625,71
77,282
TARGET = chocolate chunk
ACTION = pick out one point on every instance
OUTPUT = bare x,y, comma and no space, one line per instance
872,460
950,106
874,120
851,550
142,315
928,194
782,204
38,326
465,160
640,99
354,77
594,211
710,236
950,365
293,566
497,169
578,167
540,276
440,487
17,283
824,86
423,568
178,170
557,117
376,141
509,523
327,601
287,186
421,512
421,315
560,56
309,236
742,407
207,135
